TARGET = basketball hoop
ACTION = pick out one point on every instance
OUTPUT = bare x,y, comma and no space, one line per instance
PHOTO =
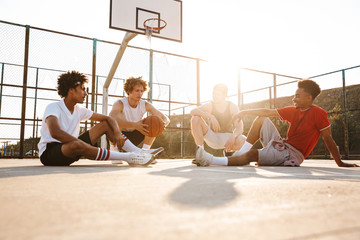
153,25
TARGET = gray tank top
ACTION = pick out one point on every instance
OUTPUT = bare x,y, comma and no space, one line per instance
224,118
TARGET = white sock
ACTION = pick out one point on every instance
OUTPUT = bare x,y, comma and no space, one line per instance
220,161
146,147
245,148
104,154
114,155
128,146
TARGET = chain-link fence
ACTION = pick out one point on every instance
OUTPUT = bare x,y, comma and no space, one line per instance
339,97
32,58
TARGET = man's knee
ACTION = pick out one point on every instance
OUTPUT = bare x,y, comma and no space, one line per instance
199,124
78,147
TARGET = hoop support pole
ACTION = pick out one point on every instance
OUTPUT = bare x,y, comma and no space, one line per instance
127,38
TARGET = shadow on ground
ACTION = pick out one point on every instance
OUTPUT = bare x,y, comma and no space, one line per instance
21,171
209,187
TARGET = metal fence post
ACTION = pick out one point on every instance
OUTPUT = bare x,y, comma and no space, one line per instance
151,75
198,82
23,108
35,104
169,100
239,90
96,92
274,103
274,81
87,105
346,130
93,79
1,86
270,97
182,134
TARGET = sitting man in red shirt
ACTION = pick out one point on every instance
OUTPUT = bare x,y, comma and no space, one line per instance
307,123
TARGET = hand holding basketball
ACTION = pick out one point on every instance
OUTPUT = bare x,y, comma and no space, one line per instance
155,124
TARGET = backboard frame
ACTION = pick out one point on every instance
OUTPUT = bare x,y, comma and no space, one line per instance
152,11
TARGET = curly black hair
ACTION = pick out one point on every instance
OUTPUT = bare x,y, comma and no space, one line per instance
69,80
310,87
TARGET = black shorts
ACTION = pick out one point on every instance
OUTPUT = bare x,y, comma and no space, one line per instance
53,155
135,137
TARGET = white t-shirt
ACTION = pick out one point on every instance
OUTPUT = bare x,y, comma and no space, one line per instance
133,114
68,122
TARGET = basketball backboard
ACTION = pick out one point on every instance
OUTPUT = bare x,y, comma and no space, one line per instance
129,16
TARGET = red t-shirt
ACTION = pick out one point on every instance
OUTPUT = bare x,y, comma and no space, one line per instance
305,126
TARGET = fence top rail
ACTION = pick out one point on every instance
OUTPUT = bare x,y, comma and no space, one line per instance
99,40
277,74
344,69
57,70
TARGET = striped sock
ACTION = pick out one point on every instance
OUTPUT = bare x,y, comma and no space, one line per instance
102,155
125,137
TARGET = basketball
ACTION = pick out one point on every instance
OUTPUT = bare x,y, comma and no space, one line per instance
155,125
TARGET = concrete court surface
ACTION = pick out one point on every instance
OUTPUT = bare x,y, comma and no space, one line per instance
177,200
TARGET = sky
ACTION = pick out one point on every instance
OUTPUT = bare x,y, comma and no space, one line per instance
294,37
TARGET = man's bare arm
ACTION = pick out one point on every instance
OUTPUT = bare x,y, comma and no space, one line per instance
261,112
118,139
111,121
331,146
202,111
117,113
150,108
56,132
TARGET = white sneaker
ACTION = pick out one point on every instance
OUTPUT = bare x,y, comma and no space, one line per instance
202,158
141,159
116,162
154,152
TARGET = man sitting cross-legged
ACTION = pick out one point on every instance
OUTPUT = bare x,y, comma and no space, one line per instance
60,144
221,132
307,123
129,113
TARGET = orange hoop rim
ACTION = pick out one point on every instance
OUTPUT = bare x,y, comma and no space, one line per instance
155,28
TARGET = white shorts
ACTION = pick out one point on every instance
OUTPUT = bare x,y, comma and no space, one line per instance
217,140
269,156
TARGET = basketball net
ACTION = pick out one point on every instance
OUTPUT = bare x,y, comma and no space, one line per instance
148,34
153,25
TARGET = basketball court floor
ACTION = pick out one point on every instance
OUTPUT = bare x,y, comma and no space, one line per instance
177,200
